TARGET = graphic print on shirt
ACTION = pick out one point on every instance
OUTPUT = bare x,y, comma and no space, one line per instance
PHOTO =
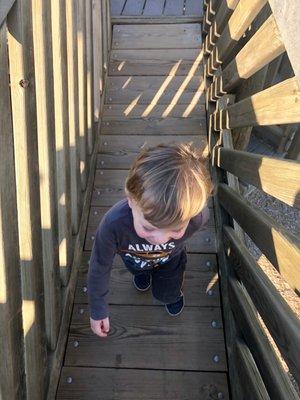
148,255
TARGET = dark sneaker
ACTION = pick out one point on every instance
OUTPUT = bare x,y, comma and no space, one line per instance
142,282
175,308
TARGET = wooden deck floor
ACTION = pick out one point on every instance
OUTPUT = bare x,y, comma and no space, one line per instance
154,95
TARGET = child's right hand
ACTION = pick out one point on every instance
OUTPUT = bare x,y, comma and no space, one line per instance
100,327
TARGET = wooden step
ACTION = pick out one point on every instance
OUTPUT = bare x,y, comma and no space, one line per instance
156,62
168,36
133,111
155,90
127,384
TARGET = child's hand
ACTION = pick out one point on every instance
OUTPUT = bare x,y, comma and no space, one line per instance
101,327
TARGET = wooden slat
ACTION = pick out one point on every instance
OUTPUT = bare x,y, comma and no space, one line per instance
23,103
156,62
153,90
132,111
5,7
276,105
154,7
279,178
133,7
82,90
223,13
156,19
242,17
253,385
124,384
281,247
174,7
194,7
281,321
60,79
98,57
157,36
210,12
72,56
11,377
267,44
121,350
120,151
90,77
117,6
277,382
155,126
201,286
46,142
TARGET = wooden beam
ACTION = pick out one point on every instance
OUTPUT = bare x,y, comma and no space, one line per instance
279,178
41,25
278,104
11,330
90,77
23,101
280,320
275,378
287,15
279,246
209,14
242,17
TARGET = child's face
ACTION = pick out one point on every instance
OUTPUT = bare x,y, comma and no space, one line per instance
151,233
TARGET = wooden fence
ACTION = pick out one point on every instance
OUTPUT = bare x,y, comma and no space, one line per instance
50,90
243,39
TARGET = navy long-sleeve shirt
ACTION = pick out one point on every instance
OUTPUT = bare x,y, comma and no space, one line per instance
116,234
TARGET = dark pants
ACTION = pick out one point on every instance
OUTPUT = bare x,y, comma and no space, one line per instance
167,279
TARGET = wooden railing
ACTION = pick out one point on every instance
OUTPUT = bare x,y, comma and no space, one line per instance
241,41
50,96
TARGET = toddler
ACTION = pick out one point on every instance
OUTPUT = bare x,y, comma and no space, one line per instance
166,194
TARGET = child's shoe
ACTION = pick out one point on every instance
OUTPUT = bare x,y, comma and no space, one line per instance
175,308
142,282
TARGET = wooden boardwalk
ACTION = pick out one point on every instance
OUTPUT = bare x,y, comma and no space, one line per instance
154,94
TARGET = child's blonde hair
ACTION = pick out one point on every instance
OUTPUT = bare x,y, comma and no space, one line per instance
170,183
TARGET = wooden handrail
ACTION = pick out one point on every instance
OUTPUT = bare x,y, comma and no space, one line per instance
279,178
275,312
281,247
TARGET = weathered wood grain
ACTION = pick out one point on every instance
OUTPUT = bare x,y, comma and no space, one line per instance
116,7
156,62
152,90
155,126
133,7
156,332
174,7
89,77
154,7
194,7
123,384
157,36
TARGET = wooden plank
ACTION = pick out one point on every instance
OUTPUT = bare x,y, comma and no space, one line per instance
5,7
41,25
72,57
82,90
158,20
276,105
132,111
263,172
280,320
174,7
153,90
23,103
157,36
253,384
275,378
133,7
148,385
155,126
210,12
60,79
287,17
120,349
156,62
116,7
98,59
194,7
11,330
154,7
279,246
115,155
90,77
243,15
